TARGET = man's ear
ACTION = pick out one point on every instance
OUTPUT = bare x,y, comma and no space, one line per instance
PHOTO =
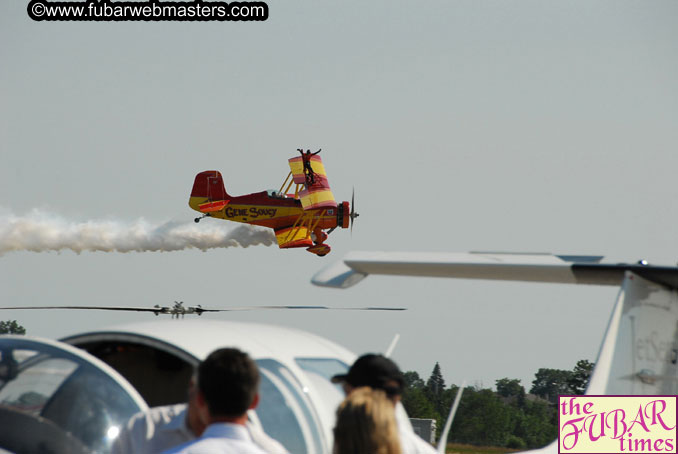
255,402
200,398
203,411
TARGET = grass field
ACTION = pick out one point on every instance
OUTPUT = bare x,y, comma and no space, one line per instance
457,448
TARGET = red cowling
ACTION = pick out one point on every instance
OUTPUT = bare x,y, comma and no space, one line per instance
346,215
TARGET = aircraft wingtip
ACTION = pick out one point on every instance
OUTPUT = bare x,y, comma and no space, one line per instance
337,275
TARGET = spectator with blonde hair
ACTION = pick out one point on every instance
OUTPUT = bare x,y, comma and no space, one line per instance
379,372
366,424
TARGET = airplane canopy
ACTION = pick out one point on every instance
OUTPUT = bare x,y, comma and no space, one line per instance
57,396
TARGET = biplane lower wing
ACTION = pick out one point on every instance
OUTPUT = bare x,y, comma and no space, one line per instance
293,236
313,199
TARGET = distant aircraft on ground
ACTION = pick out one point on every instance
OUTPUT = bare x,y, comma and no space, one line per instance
176,310
299,219
639,351
179,310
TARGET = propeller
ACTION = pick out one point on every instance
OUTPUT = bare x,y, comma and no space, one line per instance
353,214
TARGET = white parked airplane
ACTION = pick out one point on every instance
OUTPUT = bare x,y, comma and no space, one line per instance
297,398
639,350
75,400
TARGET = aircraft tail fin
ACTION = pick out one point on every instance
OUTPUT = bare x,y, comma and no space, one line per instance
639,353
208,193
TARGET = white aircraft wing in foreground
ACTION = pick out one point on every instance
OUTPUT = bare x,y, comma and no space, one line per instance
639,351
564,269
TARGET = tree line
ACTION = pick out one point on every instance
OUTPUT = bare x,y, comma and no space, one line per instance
506,417
11,327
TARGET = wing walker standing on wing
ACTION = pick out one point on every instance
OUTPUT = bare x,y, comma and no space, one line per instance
308,170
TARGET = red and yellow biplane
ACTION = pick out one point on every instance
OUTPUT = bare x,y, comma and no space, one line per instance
299,219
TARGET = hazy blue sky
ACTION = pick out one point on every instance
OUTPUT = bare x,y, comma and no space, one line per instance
535,126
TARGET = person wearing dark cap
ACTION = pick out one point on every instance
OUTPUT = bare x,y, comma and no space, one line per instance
379,372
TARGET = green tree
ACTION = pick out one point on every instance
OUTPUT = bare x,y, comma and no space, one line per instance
536,424
446,405
11,327
435,387
549,383
580,376
436,384
507,387
417,405
412,380
414,398
511,390
482,419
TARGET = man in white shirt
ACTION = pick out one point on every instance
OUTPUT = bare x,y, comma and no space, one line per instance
156,430
162,428
227,386
379,372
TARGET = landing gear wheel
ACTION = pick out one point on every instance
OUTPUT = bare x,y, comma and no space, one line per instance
318,237
320,250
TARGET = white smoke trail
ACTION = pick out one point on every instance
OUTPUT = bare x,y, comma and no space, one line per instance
41,231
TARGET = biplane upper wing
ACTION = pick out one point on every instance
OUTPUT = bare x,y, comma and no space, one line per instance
316,192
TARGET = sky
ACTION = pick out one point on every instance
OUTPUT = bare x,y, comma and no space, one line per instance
517,126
